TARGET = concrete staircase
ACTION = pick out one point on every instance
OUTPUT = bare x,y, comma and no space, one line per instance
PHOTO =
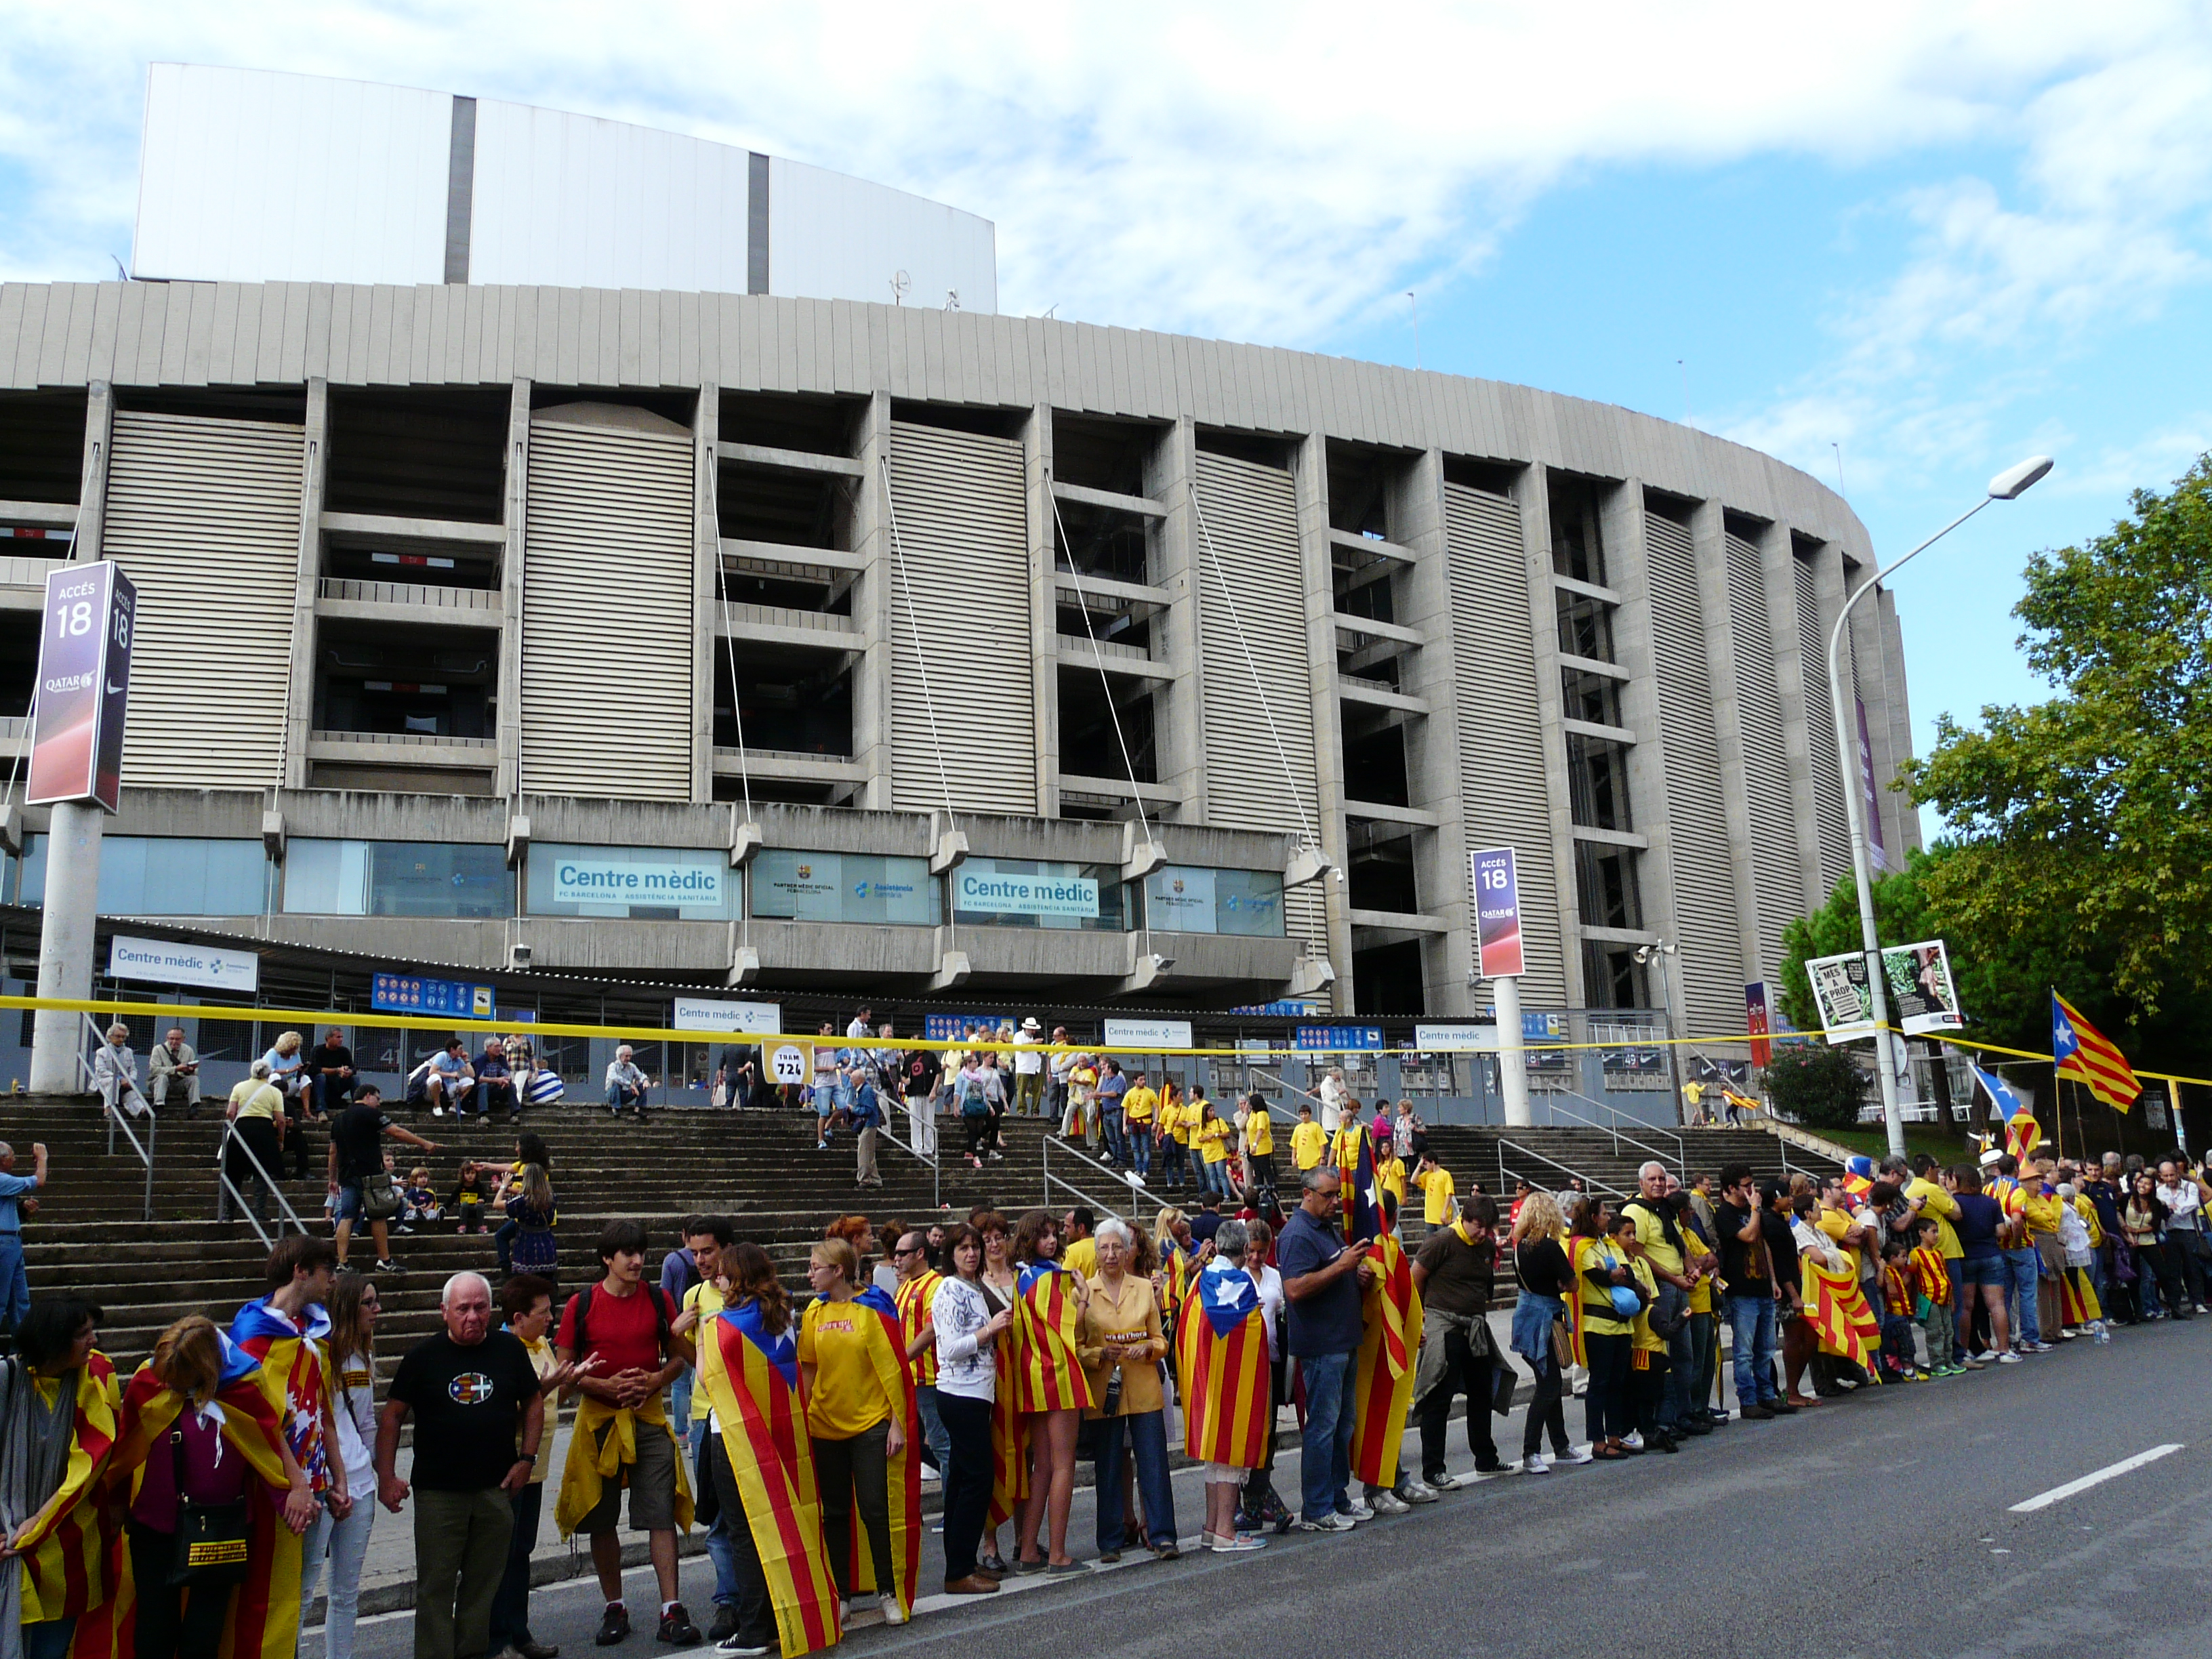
1546,1157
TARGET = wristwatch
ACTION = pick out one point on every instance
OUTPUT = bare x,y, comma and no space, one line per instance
530,1458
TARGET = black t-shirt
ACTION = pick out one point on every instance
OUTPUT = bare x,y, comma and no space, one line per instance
1460,1275
1543,1266
468,1406
358,1133
921,1070
1782,1245
326,1059
1204,1224
1743,1270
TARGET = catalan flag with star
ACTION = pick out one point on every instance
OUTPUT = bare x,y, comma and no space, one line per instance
2086,1054
750,1374
1390,1332
1048,1315
903,1473
1221,1361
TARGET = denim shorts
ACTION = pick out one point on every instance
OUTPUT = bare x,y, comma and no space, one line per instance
1993,1272
350,1206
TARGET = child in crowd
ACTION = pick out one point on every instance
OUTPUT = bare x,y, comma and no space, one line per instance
1307,1140
1932,1278
1896,1306
473,1195
421,1201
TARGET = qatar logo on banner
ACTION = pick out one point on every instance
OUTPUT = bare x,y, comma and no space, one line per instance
1497,895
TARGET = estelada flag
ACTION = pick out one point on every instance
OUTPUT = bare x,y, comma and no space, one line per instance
1047,1374
751,1380
1389,1343
264,1621
1221,1364
1858,1175
2086,1054
1010,1436
903,1472
1836,1309
2022,1131
1362,1193
71,1550
291,1356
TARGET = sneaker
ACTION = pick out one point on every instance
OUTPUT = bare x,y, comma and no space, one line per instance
1756,1413
893,1613
1633,1440
725,1625
1327,1523
1972,1365
1576,1455
1533,1464
676,1628
614,1626
387,1267
1360,1511
1241,1543
1386,1503
2009,1360
1447,1481
1416,1491
2041,1347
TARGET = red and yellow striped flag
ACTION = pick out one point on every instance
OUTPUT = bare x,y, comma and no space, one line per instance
1836,1309
1009,1438
1048,1374
2086,1055
70,1549
902,1473
1221,1364
751,1377
1389,1342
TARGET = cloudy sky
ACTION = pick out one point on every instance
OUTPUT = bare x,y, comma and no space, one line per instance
1901,246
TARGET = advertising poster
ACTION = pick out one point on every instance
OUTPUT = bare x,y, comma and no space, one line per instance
1917,976
405,993
1840,992
162,962
83,685
1757,1022
1496,891
985,892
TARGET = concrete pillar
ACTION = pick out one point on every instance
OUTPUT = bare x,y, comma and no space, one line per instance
1708,541
1044,600
1179,713
509,780
1310,482
706,586
1628,573
65,944
92,486
1512,1058
1803,687
300,704
1532,495
1413,510
878,609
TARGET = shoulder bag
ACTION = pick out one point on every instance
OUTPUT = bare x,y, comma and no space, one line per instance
213,1539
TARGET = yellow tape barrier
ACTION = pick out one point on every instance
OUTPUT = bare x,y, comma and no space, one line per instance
308,1017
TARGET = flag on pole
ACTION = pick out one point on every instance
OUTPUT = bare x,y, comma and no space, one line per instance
2086,1054
2022,1132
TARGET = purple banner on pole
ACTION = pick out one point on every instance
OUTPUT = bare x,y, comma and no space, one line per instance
1496,891
1869,794
84,685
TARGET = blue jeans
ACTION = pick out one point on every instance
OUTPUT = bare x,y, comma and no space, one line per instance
2026,1272
1146,1436
933,1430
1751,1321
1325,1468
1682,1377
1141,1149
1109,1126
719,1550
14,1285
1173,1155
1214,1177
620,1099
332,1093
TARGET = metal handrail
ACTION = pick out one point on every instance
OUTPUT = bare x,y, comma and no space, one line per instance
1682,1158
115,1121
1051,1179
1587,1181
224,1184
936,1174
1681,1147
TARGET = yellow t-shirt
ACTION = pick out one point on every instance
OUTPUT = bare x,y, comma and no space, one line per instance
1081,1257
1652,1235
1939,1207
1390,1176
1212,1137
1835,1223
255,1097
1344,1148
1260,1133
1179,1119
848,1347
1437,1190
1136,1105
2042,1212
1641,1336
1306,1143
709,1301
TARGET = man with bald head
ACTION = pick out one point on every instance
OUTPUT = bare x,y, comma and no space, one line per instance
479,1417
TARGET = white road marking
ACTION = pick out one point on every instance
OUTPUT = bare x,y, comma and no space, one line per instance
2044,1500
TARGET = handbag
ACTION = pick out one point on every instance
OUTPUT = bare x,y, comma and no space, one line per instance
1563,1347
213,1539
379,1201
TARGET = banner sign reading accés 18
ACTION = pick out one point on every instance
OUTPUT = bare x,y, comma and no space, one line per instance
1496,891
984,890
84,685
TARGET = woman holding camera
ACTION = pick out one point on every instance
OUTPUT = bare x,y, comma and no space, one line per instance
1121,1346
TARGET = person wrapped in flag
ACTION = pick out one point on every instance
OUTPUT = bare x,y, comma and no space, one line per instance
1050,1387
860,1411
1010,1440
1221,1361
58,1409
1605,1299
203,1400
288,1332
2080,1236
761,1459
1389,1345
1834,1303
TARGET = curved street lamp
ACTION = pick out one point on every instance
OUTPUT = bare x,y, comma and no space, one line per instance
2007,486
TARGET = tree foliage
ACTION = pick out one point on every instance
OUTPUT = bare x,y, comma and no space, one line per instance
1818,1086
2090,809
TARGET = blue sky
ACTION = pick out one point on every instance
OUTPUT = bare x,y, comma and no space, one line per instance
1942,237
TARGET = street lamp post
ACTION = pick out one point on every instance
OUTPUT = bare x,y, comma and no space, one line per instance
2007,486
1658,952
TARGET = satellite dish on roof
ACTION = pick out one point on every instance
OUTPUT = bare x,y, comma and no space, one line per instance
900,283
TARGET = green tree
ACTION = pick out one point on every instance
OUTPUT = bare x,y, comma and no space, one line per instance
2082,838
1816,1085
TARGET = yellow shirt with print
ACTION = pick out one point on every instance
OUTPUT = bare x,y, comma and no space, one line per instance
1390,1176
1212,1137
1307,1145
1260,1133
1179,1120
1138,1104
1651,1234
848,1348
1939,1207
1437,1191
2041,1210
710,1303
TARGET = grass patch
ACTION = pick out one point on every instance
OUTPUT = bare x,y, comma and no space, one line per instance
1946,1146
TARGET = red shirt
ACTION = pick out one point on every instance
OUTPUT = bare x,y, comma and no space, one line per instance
622,1331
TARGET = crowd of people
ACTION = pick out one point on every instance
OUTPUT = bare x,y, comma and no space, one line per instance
992,1356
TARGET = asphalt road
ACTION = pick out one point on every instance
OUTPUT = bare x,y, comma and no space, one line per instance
1877,1525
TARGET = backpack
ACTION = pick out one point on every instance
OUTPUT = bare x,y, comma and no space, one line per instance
582,1304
